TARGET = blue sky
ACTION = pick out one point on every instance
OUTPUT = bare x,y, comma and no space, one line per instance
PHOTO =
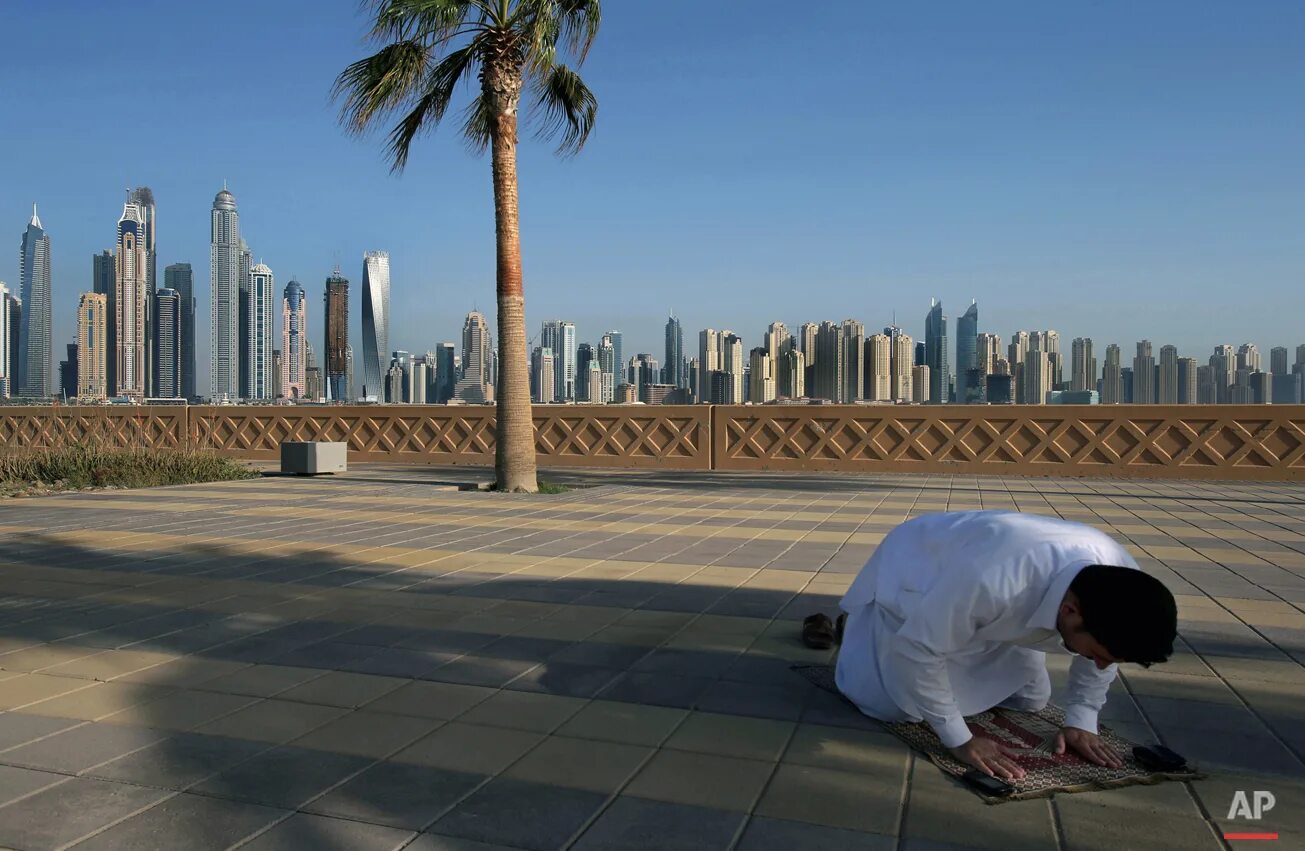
1111,169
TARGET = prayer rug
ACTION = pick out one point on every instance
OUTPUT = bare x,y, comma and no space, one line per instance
1032,735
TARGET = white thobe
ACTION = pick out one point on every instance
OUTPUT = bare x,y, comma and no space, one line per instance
953,613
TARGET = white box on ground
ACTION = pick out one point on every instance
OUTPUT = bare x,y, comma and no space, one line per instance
312,457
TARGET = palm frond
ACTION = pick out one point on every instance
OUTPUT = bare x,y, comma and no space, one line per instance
379,84
437,90
566,106
478,126
435,19
580,21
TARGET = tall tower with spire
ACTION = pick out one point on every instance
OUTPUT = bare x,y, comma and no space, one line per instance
131,297
224,280
35,337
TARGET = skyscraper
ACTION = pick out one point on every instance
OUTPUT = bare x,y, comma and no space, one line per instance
584,355
806,341
35,336
261,301
376,323
542,379
1278,360
708,361
593,381
1083,366
1112,377
1144,375
13,306
1223,372
180,277
732,366
244,335
143,198
673,365
1248,357
967,336
853,389
608,367
920,383
1167,384
618,353
336,325
559,335
935,354
879,368
92,348
1037,375
294,334
67,388
131,272
224,281
792,373
474,387
103,281
1187,381
830,370
446,372
6,335
761,384
167,344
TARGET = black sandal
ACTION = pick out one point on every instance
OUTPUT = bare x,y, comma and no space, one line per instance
818,632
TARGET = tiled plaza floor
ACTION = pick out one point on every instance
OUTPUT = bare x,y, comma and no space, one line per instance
370,662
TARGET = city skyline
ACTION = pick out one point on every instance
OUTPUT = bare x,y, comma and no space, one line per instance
1067,193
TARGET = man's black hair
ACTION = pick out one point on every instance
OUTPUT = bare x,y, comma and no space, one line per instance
1132,614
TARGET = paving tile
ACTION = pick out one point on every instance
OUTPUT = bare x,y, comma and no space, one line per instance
304,831
543,817
638,823
369,734
701,779
565,680
99,701
854,801
657,689
397,794
763,834
941,809
430,700
580,764
435,842
17,782
182,710
272,720
470,748
17,728
261,680
66,812
193,822
630,723
730,735
845,749
179,761
343,689
285,776
32,688
79,748
1112,819
481,671
542,713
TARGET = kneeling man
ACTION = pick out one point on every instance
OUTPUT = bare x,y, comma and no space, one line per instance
953,613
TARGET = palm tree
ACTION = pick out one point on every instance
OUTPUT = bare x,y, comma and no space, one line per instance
428,48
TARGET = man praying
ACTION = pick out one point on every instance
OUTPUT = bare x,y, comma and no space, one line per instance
954,613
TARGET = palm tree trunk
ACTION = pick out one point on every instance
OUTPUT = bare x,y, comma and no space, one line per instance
514,450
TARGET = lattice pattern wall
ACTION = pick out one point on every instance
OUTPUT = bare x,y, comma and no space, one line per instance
661,436
109,426
1187,441
1183,441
